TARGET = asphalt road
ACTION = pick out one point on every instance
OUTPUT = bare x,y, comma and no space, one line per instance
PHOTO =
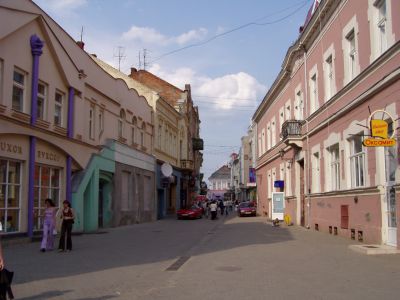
231,258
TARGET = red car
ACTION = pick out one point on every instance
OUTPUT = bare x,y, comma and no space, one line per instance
194,212
247,209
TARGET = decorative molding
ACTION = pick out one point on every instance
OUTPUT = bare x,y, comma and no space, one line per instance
42,123
21,116
60,130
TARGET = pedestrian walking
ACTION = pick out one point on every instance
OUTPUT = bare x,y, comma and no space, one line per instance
221,207
213,210
226,204
49,225
68,216
206,208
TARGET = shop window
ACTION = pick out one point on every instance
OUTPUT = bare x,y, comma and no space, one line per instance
46,185
10,195
18,90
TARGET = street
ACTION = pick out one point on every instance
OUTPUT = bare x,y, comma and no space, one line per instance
231,258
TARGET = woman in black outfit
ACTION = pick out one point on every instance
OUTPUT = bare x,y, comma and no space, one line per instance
67,216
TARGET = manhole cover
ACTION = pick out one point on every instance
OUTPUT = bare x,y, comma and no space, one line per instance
228,269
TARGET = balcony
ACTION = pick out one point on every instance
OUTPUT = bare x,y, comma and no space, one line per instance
187,164
291,133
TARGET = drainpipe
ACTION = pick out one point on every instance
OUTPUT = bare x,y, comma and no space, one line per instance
36,49
70,134
307,156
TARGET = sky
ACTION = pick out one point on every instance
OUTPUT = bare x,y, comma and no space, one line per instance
229,51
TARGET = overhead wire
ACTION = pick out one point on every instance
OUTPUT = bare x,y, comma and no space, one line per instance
303,3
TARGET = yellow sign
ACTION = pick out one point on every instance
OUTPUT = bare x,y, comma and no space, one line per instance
379,128
379,142
380,131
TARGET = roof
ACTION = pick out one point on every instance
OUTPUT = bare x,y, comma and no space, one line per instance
167,91
222,173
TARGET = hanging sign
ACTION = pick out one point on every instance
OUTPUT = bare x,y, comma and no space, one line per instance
379,129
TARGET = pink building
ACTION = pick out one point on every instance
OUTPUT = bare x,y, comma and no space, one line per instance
313,120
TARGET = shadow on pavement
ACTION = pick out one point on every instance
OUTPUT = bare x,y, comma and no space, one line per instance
46,295
100,298
140,244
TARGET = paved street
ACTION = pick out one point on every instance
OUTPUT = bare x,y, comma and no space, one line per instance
235,258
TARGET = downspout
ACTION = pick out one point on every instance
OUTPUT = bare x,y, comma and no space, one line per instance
307,156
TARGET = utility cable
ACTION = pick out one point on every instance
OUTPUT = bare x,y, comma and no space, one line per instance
303,3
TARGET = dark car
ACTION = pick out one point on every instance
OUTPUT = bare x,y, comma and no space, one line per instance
247,209
194,212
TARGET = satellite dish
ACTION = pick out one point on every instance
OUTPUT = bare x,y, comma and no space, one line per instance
166,169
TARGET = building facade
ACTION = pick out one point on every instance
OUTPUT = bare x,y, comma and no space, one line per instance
313,121
177,131
64,130
219,183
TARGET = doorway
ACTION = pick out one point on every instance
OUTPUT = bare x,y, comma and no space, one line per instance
101,205
390,171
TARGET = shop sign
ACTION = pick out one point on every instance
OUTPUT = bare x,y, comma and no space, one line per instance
10,148
48,156
379,129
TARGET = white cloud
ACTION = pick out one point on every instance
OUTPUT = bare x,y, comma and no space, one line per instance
227,92
192,35
149,35
146,35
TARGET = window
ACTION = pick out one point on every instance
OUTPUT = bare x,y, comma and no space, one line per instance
334,167
316,173
381,25
91,122
329,78
41,100
263,140
58,108
298,106
101,121
18,91
313,93
142,135
159,136
259,146
10,195
351,54
288,113
281,118
357,157
273,133
268,136
121,123
46,185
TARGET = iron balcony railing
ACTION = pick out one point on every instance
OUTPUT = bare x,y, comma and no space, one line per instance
291,128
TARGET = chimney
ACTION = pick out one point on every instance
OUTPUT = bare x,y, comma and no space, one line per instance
81,44
133,70
94,54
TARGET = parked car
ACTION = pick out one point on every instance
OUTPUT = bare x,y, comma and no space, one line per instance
247,209
194,212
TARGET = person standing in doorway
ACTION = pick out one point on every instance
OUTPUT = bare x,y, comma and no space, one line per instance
68,216
49,223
